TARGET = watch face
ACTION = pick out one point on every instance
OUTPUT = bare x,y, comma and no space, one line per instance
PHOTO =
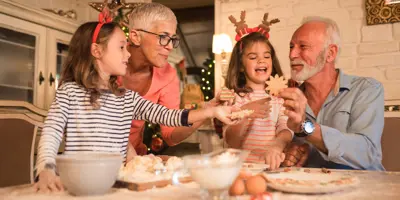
308,127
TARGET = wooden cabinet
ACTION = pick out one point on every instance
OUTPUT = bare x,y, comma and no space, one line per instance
33,47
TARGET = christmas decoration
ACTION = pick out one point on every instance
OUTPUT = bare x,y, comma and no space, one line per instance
156,143
121,11
153,140
207,79
242,29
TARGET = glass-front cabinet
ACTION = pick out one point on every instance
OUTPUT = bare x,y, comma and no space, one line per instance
22,73
31,56
57,49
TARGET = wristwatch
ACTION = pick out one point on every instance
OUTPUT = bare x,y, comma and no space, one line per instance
307,128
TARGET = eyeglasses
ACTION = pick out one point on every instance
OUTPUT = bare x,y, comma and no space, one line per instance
164,39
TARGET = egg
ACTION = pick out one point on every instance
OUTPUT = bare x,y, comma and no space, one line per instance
256,185
244,174
237,187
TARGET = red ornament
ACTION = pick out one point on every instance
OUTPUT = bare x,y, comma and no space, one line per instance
156,144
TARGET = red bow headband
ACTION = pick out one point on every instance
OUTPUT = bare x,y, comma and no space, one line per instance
242,29
105,16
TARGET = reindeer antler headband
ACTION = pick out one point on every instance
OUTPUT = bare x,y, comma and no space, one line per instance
105,16
242,29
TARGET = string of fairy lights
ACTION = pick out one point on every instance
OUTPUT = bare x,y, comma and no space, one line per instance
207,79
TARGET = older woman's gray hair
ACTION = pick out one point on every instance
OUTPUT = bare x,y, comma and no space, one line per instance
143,16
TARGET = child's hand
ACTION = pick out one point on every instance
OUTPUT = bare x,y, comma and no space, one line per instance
48,182
274,157
261,108
223,113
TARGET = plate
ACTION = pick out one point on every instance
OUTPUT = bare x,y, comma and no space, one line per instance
311,181
255,167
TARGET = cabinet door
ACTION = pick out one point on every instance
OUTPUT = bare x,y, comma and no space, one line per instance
22,60
57,50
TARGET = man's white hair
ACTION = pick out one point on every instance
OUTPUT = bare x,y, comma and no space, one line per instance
332,34
143,16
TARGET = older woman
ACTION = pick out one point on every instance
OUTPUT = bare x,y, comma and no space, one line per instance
153,36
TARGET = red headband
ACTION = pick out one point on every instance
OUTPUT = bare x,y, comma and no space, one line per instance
105,16
242,29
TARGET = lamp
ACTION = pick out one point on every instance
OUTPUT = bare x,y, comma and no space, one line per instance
222,44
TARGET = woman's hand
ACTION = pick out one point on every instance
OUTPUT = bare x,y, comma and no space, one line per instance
48,182
223,113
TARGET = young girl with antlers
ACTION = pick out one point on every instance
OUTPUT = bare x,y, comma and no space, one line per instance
253,61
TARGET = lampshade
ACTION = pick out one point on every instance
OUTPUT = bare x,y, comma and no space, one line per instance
221,43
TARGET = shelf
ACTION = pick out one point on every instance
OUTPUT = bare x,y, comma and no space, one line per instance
16,87
17,44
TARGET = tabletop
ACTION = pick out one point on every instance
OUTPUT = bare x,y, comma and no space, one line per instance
373,185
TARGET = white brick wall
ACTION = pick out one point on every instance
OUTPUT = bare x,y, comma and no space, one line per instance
372,51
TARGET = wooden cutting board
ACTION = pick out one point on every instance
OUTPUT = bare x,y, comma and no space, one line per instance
148,185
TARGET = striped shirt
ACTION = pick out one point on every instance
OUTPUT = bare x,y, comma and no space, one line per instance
105,129
260,133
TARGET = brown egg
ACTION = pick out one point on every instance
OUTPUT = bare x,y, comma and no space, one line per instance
256,185
244,174
237,187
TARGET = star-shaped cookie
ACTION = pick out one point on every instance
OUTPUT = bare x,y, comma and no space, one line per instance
275,84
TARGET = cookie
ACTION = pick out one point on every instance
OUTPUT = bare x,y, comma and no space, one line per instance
275,84
241,114
226,94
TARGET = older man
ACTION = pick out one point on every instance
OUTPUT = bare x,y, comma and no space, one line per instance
338,115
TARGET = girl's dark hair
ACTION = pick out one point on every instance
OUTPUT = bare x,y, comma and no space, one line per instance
236,78
80,64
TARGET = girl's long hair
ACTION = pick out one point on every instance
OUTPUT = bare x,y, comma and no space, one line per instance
236,78
80,66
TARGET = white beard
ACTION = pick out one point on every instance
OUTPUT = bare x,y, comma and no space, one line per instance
308,70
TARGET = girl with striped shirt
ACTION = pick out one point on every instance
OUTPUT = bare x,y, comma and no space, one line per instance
264,133
89,109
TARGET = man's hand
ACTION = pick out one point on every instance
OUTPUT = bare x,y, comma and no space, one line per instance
296,155
260,107
295,104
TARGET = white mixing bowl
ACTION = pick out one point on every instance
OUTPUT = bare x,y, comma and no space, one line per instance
89,173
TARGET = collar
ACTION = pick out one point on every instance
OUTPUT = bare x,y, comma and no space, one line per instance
343,82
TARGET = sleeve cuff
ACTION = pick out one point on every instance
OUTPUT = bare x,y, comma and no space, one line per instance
332,139
185,118
286,128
